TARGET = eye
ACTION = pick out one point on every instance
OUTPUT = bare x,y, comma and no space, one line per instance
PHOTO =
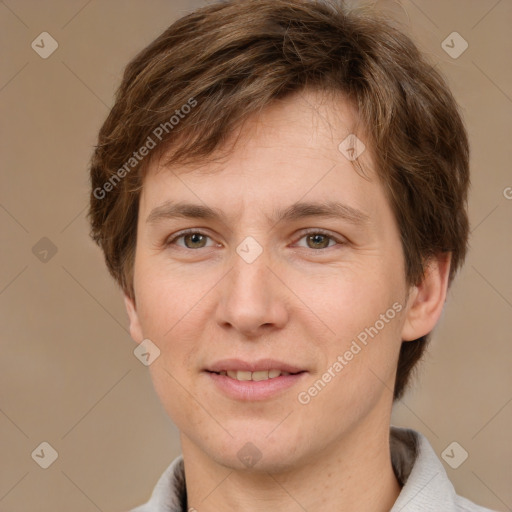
319,239
192,239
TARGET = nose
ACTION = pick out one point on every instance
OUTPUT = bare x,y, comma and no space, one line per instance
253,300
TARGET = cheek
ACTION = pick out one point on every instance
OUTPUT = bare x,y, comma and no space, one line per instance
173,309
165,297
169,318
348,300
361,313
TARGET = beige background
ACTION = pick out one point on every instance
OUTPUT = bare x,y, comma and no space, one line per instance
68,375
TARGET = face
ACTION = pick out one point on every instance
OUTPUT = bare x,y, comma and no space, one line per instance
318,290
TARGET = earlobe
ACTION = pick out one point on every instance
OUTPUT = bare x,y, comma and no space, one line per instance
426,300
135,327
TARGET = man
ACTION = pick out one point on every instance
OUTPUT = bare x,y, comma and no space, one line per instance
280,190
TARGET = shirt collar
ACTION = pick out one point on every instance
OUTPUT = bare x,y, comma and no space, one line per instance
426,486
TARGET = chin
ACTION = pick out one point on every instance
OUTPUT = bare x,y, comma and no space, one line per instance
252,460
253,453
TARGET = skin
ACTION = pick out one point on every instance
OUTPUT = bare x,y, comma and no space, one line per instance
302,301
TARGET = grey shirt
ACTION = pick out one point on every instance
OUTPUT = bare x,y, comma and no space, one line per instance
425,484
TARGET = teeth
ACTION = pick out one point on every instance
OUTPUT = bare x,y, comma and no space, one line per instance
238,375
262,375
256,376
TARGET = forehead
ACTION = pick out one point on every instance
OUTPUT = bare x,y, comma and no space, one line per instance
287,152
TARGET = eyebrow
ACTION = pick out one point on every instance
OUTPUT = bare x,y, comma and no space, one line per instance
296,211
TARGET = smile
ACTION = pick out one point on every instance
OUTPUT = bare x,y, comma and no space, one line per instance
256,376
249,386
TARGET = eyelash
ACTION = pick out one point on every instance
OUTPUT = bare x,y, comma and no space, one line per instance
312,231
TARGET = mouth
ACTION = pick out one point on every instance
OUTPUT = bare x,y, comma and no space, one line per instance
256,381
245,386
243,375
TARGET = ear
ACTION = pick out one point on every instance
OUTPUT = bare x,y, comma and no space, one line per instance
426,300
135,327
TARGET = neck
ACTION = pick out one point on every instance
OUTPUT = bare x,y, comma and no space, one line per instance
354,473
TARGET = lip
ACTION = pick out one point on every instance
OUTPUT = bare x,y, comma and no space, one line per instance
256,366
249,390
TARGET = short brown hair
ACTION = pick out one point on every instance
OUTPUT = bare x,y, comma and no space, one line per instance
230,60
